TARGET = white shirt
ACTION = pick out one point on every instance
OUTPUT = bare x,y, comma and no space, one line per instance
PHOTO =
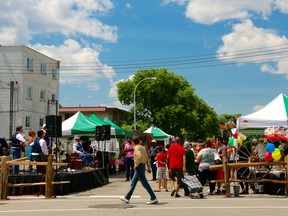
43,146
21,138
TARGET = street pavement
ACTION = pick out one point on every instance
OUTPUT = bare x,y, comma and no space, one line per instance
105,200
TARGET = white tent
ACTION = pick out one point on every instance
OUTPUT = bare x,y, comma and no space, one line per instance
274,114
158,134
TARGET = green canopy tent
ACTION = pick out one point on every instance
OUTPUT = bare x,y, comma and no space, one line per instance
120,132
98,120
95,118
158,133
78,124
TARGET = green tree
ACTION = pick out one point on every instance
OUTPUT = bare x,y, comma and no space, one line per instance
170,103
229,120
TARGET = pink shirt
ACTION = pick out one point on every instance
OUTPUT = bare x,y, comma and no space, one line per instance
129,154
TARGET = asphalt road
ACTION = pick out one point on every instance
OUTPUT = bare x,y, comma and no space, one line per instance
105,201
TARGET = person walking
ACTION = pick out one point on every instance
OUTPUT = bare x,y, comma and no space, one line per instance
190,165
152,155
129,160
161,159
177,165
207,158
140,159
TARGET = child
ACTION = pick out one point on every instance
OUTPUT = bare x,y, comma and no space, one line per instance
161,159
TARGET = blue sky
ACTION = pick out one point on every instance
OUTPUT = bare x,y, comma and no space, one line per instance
234,53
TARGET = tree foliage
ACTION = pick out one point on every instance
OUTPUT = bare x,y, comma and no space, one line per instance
170,103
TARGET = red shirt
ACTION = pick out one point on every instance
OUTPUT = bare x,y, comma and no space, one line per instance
161,156
176,153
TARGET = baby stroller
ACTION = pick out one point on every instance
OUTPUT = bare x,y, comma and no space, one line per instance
193,185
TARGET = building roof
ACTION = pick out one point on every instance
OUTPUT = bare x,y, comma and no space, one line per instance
89,109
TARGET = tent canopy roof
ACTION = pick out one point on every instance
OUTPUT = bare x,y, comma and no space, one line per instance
158,133
120,132
78,124
273,114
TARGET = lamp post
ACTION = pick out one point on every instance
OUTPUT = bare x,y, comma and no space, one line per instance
151,78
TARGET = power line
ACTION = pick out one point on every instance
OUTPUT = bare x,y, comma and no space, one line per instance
197,61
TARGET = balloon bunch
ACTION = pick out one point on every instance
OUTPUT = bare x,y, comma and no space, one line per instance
236,137
272,153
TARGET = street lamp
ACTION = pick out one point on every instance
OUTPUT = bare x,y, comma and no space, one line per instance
151,78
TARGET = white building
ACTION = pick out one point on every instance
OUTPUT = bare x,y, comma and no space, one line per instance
29,89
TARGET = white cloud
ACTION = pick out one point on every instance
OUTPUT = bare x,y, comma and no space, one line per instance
113,89
248,43
78,64
113,94
69,17
257,108
180,2
212,11
8,35
92,86
282,5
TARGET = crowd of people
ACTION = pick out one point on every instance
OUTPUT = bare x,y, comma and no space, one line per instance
176,158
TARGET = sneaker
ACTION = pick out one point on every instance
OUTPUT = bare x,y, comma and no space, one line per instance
124,199
152,202
177,195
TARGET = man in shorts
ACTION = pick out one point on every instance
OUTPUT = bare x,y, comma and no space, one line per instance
177,165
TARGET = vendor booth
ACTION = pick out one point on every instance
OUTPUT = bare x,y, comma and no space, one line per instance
272,122
274,114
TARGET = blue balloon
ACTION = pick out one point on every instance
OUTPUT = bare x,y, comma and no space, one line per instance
270,147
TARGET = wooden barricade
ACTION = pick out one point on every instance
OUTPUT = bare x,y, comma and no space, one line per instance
49,183
227,181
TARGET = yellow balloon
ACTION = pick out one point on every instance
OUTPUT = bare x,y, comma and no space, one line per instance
240,140
276,155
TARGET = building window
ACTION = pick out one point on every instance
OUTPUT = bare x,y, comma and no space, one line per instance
43,68
42,95
54,73
41,122
28,122
30,64
29,93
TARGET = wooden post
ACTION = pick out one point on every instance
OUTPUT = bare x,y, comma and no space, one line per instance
226,176
1,178
49,178
4,177
286,178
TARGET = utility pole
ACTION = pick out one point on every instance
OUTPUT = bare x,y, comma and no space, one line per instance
11,109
